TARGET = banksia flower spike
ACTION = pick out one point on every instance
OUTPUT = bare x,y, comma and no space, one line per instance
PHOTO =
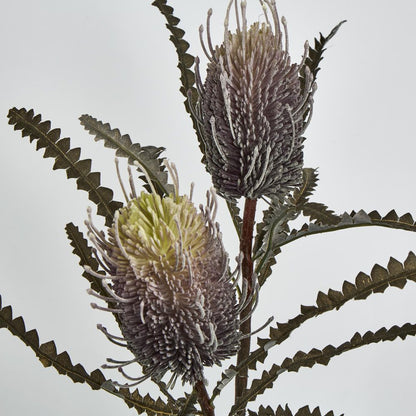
253,107
169,285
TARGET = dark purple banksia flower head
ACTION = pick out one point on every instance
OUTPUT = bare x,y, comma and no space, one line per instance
169,284
252,108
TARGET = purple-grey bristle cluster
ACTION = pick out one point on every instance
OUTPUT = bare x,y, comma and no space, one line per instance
252,109
170,285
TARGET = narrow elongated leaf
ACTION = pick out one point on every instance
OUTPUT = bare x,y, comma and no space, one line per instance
301,195
235,216
395,275
185,62
49,357
352,220
185,59
274,225
316,356
315,54
146,156
86,258
280,411
320,213
266,245
186,404
65,158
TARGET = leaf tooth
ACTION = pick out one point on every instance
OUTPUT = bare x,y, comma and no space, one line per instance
19,325
64,363
356,339
7,313
348,289
410,262
374,215
361,217
379,274
54,134
84,167
344,347
281,412
80,375
329,349
335,296
362,281
33,338
45,126
394,266
48,349
323,301
407,219
307,310
98,377
391,216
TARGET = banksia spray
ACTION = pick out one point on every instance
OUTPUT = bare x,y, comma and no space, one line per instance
169,284
253,108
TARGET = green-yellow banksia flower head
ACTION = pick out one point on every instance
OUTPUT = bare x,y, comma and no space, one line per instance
169,284
252,107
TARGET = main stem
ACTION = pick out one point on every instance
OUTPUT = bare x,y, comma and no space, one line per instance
203,399
246,242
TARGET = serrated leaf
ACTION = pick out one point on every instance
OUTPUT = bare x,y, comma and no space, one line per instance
280,411
48,356
65,158
351,220
185,62
146,156
258,386
266,245
320,213
235,216
315,55
301,194
316,356
378,280
186,404
86,258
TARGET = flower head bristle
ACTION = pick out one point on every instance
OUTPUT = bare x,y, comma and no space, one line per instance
169,284
252,109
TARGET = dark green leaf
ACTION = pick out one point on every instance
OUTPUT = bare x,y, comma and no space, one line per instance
48,356
378,280
316,356
315,54
351,220
65,158
185,62
235,216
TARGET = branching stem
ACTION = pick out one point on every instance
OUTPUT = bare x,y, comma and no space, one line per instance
247,272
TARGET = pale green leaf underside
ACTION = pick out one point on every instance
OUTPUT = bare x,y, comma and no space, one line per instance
146,156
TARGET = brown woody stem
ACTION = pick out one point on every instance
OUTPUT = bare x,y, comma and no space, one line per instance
203,399
247,272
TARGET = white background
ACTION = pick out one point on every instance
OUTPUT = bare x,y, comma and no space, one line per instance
114,61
